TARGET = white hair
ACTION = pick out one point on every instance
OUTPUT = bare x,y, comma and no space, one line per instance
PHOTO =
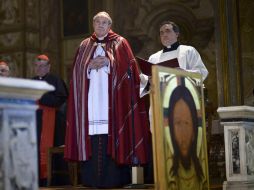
103,14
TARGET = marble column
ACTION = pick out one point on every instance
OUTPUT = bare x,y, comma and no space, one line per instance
18,143
238,124
228,53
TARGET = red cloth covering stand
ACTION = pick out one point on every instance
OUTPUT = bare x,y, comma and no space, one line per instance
47,136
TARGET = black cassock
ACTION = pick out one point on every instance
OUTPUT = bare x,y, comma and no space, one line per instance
55,99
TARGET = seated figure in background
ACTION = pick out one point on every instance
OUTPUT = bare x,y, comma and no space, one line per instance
49,106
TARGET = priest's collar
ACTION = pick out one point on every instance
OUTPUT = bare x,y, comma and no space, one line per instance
100,40
103,39
174,46
110,36
42,77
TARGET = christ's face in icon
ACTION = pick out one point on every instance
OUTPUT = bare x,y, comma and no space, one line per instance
183,127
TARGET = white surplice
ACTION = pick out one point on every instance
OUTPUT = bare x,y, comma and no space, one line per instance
187,56
98,97
188,59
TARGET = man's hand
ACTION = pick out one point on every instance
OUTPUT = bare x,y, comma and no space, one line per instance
98,62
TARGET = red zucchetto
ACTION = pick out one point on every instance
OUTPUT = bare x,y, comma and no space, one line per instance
42,59
3,63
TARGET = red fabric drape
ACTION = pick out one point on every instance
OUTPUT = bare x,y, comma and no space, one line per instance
47,136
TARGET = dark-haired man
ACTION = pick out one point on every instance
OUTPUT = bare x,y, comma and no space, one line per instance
188,57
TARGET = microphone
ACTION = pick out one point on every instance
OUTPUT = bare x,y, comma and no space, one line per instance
135,161
129,73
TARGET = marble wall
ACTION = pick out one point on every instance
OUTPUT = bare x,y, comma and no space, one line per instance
28,28
246,14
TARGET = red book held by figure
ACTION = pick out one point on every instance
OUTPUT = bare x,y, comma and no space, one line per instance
146,67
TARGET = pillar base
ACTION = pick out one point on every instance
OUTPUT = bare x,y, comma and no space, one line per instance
236,185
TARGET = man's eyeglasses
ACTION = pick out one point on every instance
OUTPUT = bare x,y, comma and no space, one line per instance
41,65
4,70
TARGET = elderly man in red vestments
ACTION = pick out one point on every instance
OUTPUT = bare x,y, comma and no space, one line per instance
107,125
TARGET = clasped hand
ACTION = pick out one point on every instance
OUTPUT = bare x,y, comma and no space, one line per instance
98,62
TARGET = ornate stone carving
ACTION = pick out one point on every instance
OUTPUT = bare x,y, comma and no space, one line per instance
142,23
249,137
22,149
33,40
32,13
18,141
10,40
9,10
50,25
238,133
235,154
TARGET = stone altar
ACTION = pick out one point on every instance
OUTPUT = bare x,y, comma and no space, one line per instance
18,144
238,124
